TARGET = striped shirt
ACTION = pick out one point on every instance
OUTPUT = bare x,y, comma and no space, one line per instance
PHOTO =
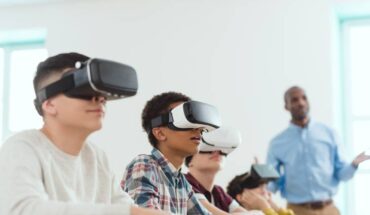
153,182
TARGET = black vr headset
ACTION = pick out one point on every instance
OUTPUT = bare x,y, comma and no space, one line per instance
187,116
95,77
259,174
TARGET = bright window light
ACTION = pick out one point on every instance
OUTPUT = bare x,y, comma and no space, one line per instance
359,66
361,139
356,115
361,204
20,52
1,90
22,114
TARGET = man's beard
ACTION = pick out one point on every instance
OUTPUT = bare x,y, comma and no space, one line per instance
300,117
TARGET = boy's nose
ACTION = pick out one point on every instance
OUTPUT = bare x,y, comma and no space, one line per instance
100,99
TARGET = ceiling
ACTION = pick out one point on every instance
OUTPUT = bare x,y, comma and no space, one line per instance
28,2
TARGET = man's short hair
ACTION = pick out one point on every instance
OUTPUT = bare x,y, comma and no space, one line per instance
288,91
157,106
54,66
234,188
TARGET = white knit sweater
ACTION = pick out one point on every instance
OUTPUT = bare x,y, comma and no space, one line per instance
37,178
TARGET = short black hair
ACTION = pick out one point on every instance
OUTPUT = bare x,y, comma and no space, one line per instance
55,65
234,187
288,91
157,106
52,66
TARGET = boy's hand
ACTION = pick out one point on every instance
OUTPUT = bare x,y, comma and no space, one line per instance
255,201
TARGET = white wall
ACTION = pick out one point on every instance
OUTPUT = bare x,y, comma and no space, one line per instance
239,55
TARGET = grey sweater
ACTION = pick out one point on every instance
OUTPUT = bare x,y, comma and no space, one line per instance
37,178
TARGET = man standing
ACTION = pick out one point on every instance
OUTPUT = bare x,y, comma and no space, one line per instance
307,157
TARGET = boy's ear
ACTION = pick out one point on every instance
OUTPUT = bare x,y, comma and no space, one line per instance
190,164
48,107
159,134
238,197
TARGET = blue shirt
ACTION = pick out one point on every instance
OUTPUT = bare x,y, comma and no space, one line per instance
309,162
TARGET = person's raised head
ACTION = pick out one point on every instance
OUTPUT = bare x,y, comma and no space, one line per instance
157,106
52,69
296,103
61,110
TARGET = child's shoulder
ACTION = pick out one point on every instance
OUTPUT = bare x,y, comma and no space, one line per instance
142,161
27,138
142,166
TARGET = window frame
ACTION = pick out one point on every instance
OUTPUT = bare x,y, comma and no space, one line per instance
8,48
346,118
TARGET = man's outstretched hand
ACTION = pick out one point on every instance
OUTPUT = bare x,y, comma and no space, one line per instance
360,158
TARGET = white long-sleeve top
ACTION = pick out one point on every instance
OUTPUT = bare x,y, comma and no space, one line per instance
37,178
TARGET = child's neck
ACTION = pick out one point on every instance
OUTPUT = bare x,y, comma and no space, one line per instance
205,178
68,140
172,156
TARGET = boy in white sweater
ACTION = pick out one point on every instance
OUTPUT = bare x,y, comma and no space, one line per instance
54,170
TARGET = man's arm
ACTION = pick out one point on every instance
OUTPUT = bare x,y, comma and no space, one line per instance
276,185
342,169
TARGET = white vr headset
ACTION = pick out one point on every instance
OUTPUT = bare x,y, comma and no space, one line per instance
187,116
223,139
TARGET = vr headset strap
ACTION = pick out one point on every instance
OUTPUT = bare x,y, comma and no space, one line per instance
161,120
53,89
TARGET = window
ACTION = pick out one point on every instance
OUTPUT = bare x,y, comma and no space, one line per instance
18,63
355,44
1,90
